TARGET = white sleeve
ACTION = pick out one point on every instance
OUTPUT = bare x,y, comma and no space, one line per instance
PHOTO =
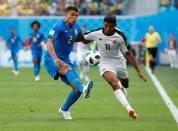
89,36
123,46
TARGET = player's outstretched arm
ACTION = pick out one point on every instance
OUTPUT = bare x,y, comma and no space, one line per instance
64,68
82,39
52,52
133,62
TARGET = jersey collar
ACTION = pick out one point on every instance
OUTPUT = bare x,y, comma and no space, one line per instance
107,34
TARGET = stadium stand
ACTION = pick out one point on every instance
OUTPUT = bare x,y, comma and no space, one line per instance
56,7
168,4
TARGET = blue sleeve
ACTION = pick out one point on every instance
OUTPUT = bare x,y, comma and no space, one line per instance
55,31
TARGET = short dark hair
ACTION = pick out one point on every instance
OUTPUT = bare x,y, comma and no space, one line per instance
69,8
110,18
35,22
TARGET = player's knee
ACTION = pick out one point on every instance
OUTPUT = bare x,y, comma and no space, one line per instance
35,61
63,71
15,58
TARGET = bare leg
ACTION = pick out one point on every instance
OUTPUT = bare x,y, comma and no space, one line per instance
112,79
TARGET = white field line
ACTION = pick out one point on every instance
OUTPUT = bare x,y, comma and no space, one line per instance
164,95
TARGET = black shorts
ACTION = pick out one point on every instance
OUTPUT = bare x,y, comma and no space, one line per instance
152,51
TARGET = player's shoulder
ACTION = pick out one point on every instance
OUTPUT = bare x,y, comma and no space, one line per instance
17,36
41,33
95,31
156,33
31,34
77,26
58,25
147,33
120,33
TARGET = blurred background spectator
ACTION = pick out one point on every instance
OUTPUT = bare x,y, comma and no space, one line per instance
168,4
56,7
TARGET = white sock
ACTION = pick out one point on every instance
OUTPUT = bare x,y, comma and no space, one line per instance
122,99
124,90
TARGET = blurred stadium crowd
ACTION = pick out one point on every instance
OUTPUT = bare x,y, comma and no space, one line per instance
56,7
167,4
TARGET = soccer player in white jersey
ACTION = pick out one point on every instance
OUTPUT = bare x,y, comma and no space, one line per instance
81,50
112,46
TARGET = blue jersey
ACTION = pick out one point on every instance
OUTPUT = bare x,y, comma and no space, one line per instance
14,42
64,37
35,39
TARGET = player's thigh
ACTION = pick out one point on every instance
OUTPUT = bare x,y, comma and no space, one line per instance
152,52
14,54
110,75
51,68
122,75
112,79
174,53
36,56
155,52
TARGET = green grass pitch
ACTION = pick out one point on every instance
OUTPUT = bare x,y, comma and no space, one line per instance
29,106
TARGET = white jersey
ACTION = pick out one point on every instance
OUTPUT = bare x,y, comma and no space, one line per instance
111,48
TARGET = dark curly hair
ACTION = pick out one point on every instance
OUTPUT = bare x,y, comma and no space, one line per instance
35,22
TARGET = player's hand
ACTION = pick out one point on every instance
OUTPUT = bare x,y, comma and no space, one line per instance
26,48
58,62
141,76
63,68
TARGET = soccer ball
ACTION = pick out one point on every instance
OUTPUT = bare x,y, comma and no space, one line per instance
92,57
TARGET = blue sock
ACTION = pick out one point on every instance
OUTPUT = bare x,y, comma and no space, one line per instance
74,80
15,64
71,99
36,69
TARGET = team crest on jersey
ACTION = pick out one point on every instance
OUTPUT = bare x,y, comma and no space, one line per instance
114,42
51,32
34,39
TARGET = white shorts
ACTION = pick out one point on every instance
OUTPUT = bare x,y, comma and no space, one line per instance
121,72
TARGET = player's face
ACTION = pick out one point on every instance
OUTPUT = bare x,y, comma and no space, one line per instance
12,31
35,27
71,17
109,28
151,29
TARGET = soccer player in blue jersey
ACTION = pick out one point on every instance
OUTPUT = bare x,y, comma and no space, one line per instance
14,42
37,40
60,42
